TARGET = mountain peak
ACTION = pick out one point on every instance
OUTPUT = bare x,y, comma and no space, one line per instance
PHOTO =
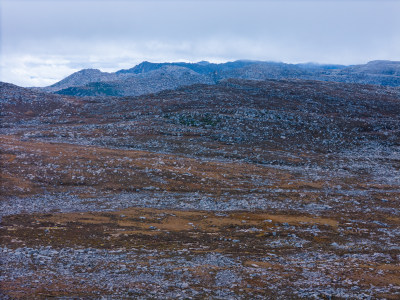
375,62
81,77
203,63
88,71
143,67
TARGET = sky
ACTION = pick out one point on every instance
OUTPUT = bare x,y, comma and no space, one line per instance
42,42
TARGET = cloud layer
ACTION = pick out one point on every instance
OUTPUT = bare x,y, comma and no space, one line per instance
44,41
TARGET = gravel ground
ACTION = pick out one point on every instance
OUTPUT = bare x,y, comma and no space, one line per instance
70,202
123,273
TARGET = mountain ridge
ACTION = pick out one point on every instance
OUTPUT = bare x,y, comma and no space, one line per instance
146,77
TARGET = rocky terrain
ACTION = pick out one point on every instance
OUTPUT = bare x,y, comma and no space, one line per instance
225,189
166,77
153,77
83,77
204,71
374,72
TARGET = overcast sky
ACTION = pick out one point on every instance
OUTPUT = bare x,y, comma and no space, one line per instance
44,41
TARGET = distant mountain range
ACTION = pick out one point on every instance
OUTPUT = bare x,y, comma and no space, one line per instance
150,77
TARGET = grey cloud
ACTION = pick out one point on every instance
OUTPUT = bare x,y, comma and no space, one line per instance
114,34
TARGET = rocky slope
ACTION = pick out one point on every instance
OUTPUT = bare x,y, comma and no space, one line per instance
243,189
163,78
152,77
11,94
87,76
83,77
375,72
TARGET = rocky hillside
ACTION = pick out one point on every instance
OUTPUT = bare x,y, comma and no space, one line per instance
163,78
242,189
11,94
152,77
203,67
375,72
83,77
87,76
